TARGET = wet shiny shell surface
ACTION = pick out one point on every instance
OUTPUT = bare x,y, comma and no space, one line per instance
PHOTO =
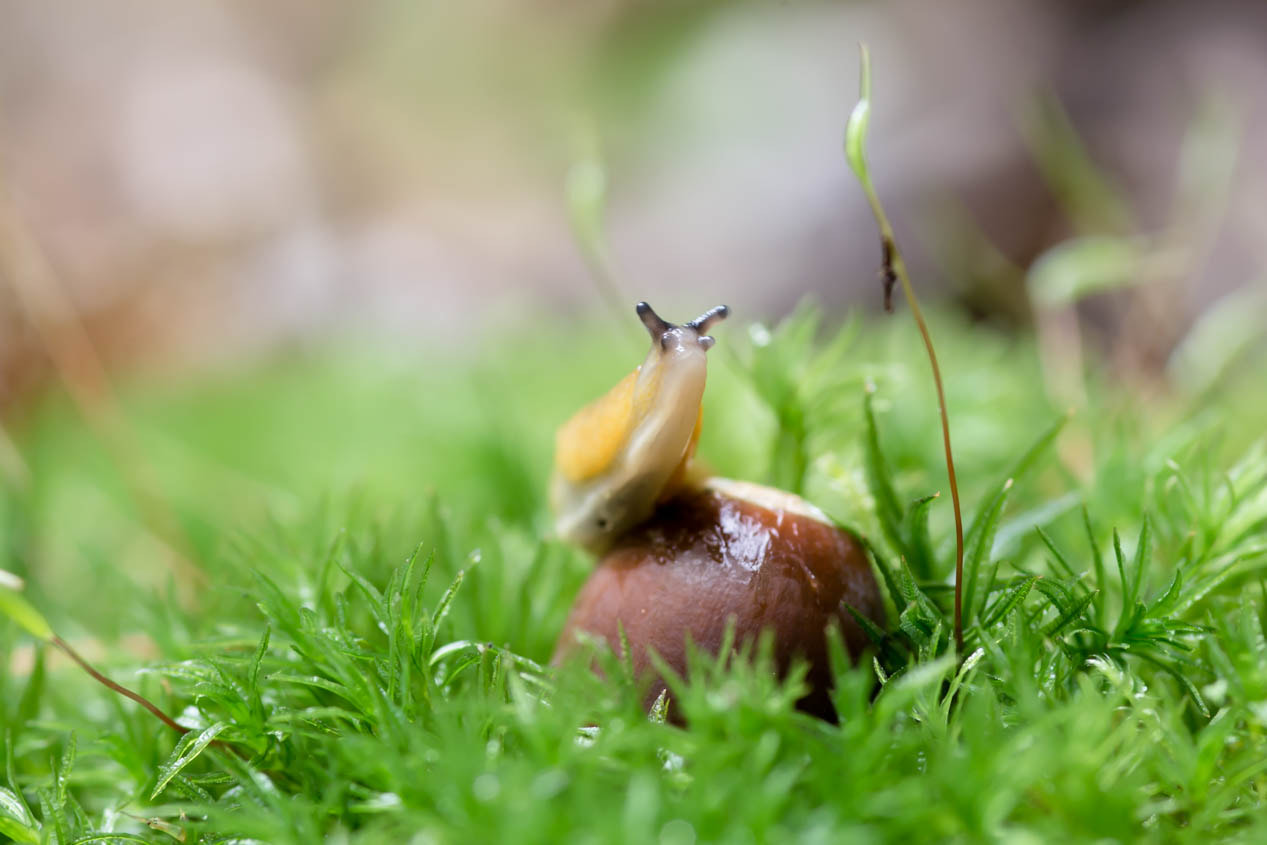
707,556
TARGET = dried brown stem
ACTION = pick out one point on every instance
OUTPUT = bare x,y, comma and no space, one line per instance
895,267
50,311
899,269
70,652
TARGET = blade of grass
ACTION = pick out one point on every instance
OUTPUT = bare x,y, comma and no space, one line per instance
981,542
1101,574
879,477
185,752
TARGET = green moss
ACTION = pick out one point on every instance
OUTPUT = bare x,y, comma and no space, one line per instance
382,594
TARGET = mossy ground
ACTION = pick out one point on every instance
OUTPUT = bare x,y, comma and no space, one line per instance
380,593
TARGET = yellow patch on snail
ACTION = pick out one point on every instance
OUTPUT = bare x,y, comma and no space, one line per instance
587,443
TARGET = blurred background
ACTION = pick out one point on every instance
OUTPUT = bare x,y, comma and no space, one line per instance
215,180
195,193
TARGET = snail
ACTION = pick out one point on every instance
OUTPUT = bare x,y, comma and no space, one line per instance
684,554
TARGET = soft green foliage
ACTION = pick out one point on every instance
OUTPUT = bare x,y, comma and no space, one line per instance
1078,268
14,606
366,661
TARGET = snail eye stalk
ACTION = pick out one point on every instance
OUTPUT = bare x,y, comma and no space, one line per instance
655,325
658,327
709,318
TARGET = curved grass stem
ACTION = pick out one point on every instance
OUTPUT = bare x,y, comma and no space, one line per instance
587,202
894,269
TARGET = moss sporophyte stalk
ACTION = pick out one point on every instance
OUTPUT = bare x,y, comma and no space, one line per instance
894,270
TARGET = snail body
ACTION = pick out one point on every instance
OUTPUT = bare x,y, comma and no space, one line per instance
630,449
684,555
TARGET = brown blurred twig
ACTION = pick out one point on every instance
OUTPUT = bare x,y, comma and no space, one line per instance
50,311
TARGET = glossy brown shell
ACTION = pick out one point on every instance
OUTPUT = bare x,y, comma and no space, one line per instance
705,557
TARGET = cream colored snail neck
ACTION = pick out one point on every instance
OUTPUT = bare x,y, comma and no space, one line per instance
625,452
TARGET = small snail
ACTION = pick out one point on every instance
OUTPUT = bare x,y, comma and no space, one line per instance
683,553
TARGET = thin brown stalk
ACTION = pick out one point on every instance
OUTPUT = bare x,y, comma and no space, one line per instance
50,311
899,268
70,652
894,267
